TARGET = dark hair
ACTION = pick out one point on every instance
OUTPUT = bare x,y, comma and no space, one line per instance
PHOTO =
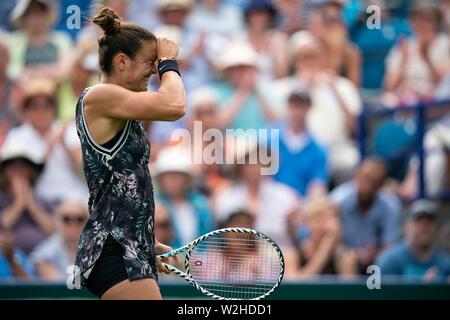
119,36
260,5
427,9
300,97
240,213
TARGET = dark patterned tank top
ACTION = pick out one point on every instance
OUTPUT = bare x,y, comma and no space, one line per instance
121,202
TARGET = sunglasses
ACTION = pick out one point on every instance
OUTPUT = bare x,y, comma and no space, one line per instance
70,219
163,224
34,105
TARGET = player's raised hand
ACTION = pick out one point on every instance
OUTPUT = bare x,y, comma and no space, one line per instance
166,49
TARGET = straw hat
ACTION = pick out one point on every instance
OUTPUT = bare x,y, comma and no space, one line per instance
38,86
21,7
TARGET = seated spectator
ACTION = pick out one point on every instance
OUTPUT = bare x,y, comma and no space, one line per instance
267,200
193,56
417,65
22,212
203,104
188,209
319,242
83,73
375,44
164,232
194,63
417,256
13,262
340,54
36,50
57,141
206,13
302,161
370,215
335,103
270,45
244,105
437,175
52,257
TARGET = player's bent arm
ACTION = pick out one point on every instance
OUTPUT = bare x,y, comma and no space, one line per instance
113,101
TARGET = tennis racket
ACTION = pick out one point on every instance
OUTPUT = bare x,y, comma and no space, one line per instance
231,264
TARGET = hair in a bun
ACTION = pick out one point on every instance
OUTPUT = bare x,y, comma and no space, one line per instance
119,36
108,20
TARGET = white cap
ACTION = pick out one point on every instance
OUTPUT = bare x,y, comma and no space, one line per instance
173,159
21,7
15,149
201,96
175,4
301,40
237,54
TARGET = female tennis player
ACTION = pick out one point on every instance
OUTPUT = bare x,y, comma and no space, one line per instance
116,253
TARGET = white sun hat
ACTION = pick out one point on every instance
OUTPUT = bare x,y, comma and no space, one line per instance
175,4
301,40
203,95
16,149
21,7
173,159
237,53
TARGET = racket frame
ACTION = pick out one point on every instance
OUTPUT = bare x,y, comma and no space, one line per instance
190,246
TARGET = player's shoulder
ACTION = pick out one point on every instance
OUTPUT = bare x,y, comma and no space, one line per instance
103,93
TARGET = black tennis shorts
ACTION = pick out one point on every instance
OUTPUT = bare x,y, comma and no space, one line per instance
109,269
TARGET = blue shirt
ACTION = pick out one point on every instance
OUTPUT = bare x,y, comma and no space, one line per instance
399,260
299,168
204,217
5,268
249,116
378,226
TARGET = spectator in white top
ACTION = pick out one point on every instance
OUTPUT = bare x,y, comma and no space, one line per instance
207,13
270,202
336,103
57,141
53,257
270,45
36,50
417,65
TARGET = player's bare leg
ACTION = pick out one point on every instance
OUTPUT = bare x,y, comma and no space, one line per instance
142,289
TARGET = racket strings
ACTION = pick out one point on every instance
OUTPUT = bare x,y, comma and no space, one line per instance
235,266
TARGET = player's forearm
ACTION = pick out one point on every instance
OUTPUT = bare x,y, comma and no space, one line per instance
172,89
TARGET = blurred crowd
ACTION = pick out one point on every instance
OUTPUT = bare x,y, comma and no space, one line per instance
306,67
